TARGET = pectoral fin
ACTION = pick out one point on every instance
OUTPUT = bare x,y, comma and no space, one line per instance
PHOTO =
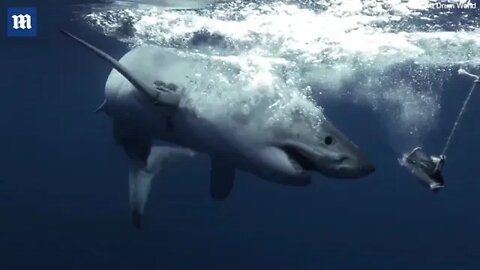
140,177
221,179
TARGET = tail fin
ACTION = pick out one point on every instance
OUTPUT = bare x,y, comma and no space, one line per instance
156,96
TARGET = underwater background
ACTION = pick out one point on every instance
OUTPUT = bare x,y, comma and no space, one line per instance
64,189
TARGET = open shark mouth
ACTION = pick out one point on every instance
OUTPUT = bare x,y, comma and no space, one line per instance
277,58
299,161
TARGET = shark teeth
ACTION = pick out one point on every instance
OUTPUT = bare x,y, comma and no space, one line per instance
296,165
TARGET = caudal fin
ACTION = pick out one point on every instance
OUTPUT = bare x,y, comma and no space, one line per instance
156,96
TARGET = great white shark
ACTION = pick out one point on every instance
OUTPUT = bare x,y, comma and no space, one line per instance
144,96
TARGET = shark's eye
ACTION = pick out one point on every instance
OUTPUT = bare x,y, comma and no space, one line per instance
328,140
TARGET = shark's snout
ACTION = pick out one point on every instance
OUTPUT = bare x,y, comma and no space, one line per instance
346,161
353,165
355,169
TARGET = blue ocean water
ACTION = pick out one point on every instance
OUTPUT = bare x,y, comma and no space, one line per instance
64,189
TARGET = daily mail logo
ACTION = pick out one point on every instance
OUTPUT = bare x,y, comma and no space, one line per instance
22,22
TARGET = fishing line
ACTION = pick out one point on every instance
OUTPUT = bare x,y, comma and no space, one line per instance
462,110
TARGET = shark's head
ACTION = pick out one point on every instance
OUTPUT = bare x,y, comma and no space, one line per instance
332,154
328,152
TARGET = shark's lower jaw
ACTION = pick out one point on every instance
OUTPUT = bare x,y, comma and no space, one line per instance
296,165
300,164
298,161
301,176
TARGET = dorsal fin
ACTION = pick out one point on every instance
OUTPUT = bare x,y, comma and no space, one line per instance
156,96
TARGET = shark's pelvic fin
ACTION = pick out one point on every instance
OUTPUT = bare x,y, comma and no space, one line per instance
221,179
165,97
140,177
